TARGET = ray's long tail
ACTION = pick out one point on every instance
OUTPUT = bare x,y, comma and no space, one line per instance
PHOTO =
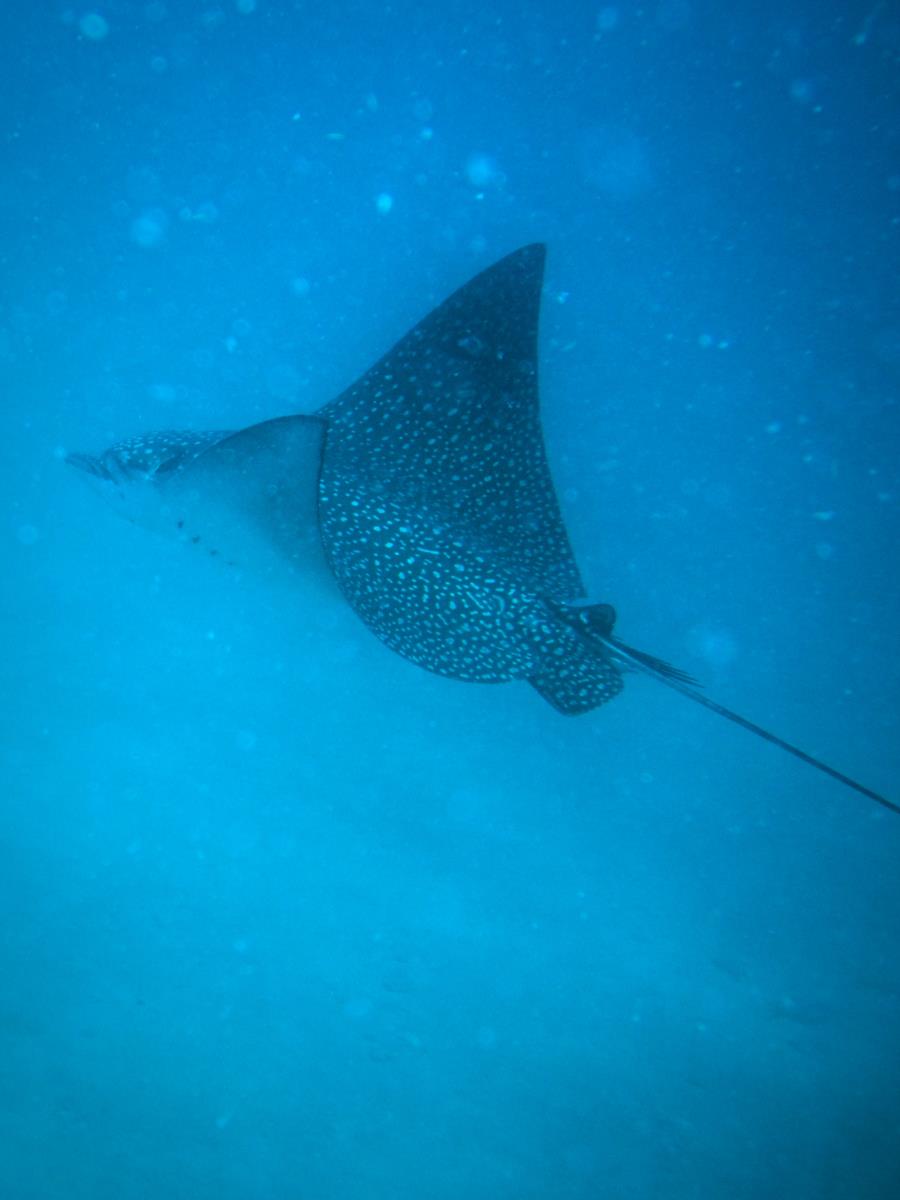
596,622
682,683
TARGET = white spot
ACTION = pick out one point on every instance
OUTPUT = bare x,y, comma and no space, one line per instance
245,6
384,202
607,19
300,286
93,27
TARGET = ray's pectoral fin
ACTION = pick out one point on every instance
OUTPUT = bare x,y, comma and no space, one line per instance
577,680
261,482
571,674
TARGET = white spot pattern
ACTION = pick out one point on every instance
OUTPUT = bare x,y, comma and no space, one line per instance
436,505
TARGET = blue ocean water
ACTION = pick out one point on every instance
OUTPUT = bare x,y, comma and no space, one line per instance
286,917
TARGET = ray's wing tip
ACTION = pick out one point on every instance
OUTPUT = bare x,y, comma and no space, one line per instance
534,253
530,257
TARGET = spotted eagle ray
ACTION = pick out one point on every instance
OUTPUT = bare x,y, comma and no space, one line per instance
424,491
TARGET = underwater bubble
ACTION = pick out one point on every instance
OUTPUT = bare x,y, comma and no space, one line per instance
482,171
27,535
163,393
717,646
384,203
149,229
246,740
206,212
56,303
803,91
616,161
93,27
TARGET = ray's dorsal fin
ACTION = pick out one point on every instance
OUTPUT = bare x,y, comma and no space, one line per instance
447,423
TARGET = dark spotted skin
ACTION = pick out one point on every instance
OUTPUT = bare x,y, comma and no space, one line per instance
436,505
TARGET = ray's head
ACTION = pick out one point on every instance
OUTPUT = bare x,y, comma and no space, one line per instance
133,466
112,473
